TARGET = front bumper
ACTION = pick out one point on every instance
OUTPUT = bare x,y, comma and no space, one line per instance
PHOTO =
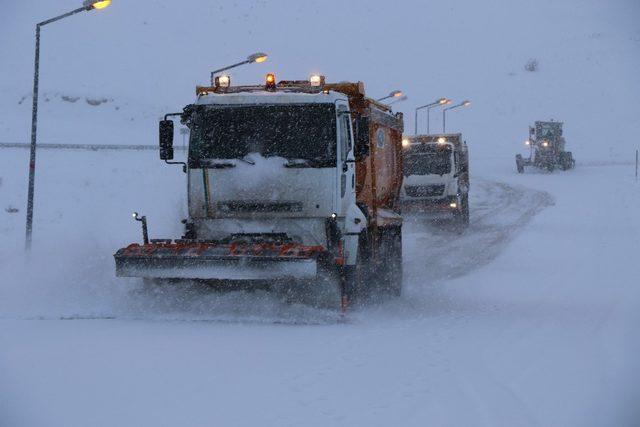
439,205
210,261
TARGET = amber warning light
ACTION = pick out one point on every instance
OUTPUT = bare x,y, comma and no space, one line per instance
270,81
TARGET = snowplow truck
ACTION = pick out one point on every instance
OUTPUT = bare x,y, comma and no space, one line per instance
436,175
546,145
293,183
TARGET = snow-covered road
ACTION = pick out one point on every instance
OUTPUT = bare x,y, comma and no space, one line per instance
434,251
527,318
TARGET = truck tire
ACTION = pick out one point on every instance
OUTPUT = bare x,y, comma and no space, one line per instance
571,163
389,263
357,277
461,216
565,160
519,163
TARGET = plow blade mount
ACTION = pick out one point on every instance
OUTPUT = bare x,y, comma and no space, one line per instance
211,261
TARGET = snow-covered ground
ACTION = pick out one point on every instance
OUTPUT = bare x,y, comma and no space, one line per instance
527,318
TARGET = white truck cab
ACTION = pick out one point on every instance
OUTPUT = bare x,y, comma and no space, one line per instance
270,163
436,175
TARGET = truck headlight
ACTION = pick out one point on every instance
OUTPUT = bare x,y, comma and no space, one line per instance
453,205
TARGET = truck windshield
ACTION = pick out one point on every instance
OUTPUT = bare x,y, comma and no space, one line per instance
548,130
427,160
305,132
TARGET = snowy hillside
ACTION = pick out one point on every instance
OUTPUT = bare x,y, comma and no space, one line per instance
150,55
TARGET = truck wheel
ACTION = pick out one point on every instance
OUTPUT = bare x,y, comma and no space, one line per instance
571,162
565,160
464,215
398,273
389,265
357,277
461,216
519,163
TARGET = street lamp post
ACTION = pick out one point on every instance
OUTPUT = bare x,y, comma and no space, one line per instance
256,57
392,94
87,5
441,101
444,112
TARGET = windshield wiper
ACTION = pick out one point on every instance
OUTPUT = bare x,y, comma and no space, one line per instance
213,164
242,159
304,163
296,163
224,163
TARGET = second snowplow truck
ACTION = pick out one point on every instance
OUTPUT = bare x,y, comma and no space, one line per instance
436,175
289,182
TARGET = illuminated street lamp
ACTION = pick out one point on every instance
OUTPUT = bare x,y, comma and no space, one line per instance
439,102
444,112
256,57
402,98
87,5
392,94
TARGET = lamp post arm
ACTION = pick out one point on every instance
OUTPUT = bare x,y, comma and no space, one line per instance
455,106
444,111
427,105
416,114
214,72
64,15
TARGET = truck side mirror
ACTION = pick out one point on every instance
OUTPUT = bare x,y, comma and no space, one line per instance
532,131
166,139
361,148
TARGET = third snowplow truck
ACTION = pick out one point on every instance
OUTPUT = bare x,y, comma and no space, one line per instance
546,145
295,182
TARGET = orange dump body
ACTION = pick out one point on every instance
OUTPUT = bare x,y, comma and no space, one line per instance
379,175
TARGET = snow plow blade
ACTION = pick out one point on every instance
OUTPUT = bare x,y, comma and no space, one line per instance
213,261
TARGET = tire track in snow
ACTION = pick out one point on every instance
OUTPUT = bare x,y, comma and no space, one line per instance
435,251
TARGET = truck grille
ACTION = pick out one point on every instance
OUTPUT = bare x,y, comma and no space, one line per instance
424,190
253,206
